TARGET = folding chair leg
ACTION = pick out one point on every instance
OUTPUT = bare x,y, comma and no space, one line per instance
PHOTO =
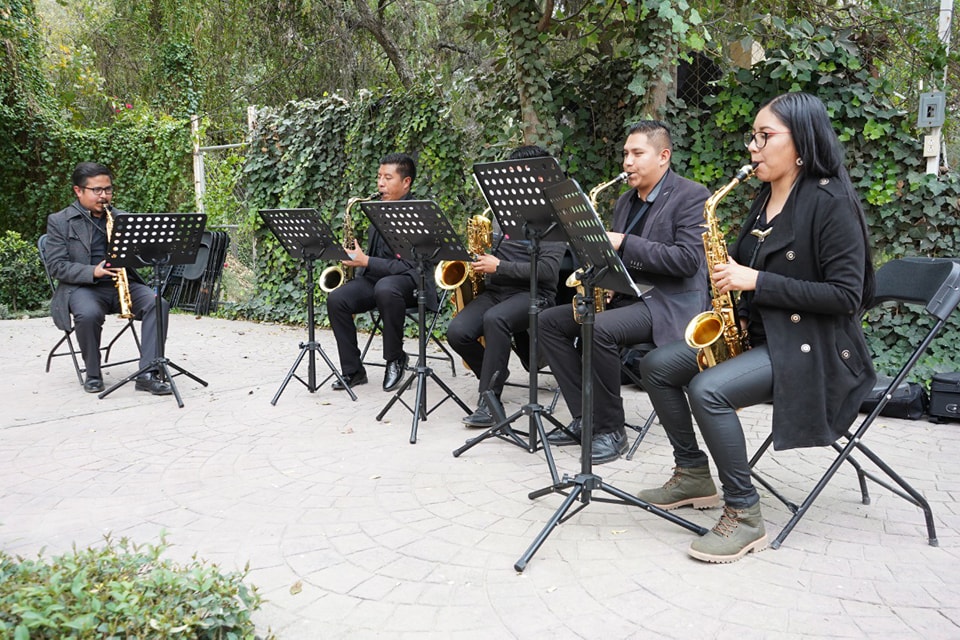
641,433
129,326
73,355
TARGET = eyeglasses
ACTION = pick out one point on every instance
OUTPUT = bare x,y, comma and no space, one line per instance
100,190
758,139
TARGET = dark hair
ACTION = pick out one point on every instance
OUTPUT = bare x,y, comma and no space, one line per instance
406,167
528,151
86,170
657,132
819,148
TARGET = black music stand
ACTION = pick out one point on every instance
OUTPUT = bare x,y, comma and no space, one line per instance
602,268
416,230
514,191
157,240
306,237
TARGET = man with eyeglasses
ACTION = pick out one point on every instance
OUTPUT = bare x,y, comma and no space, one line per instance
76,256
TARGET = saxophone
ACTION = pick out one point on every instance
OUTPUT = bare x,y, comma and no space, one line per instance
120,280
716,333
573,280
458,275
335,275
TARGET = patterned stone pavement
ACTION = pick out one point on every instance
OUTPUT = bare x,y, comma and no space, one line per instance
352,532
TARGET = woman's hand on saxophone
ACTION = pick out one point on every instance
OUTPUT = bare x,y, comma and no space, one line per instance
357,257
733,277
485,263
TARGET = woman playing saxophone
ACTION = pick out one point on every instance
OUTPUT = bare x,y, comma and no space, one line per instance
802,267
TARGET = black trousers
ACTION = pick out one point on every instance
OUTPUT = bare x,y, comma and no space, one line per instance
614,328
714,397
390,295
496,316
90,305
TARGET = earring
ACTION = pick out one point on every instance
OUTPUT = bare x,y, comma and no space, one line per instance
799,162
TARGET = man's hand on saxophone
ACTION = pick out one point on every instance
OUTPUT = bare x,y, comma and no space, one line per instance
485,263
357,257
731,276
101,270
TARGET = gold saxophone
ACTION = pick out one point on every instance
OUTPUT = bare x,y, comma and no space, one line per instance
120,280
457,275
573,280
335,275
716,333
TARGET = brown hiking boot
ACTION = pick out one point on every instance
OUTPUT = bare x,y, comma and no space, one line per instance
738,532
686,487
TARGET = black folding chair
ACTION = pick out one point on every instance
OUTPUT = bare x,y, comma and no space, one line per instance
935,283
412,313
627,371
67,337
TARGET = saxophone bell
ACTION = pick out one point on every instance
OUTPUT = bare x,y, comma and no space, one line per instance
716,334
335,275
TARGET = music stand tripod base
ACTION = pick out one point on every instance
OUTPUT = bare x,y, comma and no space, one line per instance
307,237
417,231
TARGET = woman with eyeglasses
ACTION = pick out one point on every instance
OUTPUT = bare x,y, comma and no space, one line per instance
802,267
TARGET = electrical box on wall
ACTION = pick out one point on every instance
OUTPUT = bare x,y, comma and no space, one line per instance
932,107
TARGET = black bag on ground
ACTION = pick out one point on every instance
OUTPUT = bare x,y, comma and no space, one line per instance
909,400
945,395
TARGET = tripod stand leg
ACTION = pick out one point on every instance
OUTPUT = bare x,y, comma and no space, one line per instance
290,374
552,523
164,372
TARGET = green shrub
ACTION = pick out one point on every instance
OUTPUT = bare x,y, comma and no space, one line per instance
123,590
23,285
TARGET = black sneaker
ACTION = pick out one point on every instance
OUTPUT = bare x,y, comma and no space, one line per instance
154,385
480,419
607,447
560,438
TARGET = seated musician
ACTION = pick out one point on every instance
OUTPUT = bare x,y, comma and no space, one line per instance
382,282
657,230
502,309
75,254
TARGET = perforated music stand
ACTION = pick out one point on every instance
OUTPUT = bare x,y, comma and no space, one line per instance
306,237
416,230
514,189
602,268
157,240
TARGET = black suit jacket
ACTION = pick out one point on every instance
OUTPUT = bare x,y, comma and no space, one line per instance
669,255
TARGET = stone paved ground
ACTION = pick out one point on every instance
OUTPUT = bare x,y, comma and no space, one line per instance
393,540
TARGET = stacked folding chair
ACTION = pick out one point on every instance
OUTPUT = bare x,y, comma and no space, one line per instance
196,287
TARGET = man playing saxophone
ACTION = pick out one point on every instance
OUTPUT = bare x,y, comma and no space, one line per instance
76,256
657,228
502,310
382,282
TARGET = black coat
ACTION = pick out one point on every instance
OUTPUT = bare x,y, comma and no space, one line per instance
69,240
809,295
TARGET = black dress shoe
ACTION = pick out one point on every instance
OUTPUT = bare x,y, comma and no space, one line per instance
561,439
154,385
394,373
93,385
607,447
354,379
481,418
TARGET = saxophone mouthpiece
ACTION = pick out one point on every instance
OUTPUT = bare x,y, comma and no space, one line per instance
622,176
746,171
